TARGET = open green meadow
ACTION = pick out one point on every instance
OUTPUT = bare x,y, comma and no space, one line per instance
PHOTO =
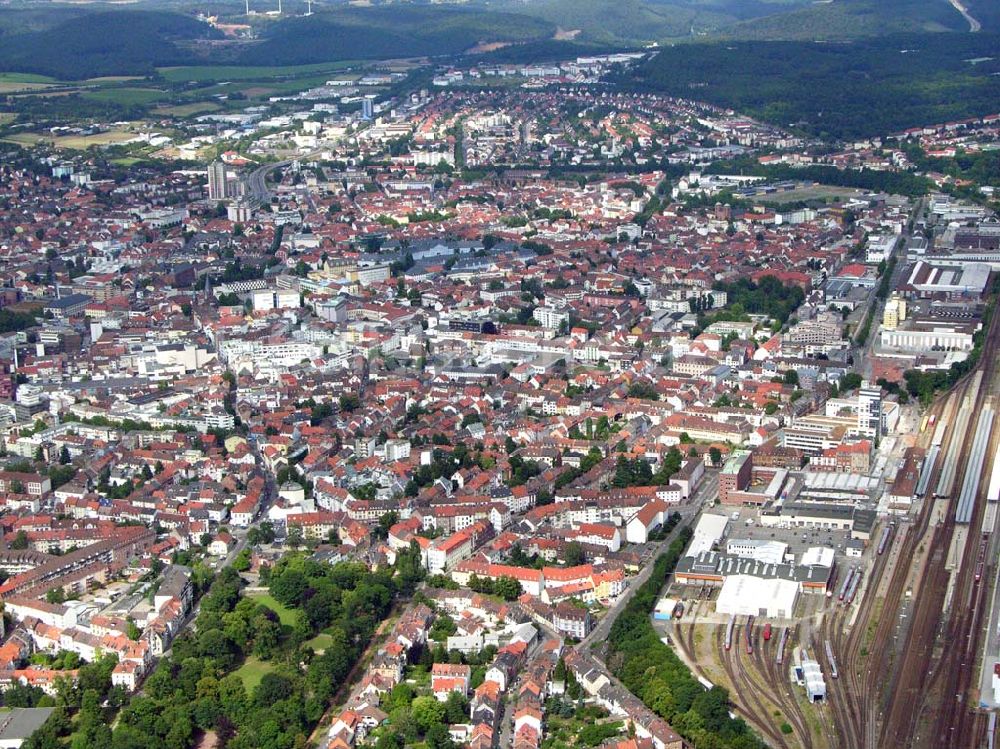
285,615
209,73
252,671
127,96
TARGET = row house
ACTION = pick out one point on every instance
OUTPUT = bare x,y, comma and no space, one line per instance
443,554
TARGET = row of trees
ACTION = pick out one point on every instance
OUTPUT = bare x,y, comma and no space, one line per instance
653,672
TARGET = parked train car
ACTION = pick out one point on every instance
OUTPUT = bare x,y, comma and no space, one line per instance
831,660
846,586
981,559
853,589
832,584
884,540
782,641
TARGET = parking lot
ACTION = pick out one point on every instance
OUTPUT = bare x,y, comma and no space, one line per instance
744,524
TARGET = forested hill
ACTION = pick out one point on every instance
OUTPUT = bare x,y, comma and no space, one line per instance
841,90
75,45
389,32
642,21
119,42
851,19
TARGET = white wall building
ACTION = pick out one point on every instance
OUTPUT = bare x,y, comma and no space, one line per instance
746,595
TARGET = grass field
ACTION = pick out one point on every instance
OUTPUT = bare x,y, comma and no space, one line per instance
816,192
12,87
6,117
186,110
83,142
320,642
25,78
127,161
126,96
114,79
24,139
252,671
207,73
285,614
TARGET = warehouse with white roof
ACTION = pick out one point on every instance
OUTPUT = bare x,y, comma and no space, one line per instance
746,595
769,552
709,531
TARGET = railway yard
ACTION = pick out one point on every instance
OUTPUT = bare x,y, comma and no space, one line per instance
908,635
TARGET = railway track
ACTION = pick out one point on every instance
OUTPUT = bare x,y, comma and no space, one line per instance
755,712
852,695
858,698
776,677
938,686
845,717
879,652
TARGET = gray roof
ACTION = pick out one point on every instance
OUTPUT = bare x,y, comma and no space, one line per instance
70,300
712,563
21,722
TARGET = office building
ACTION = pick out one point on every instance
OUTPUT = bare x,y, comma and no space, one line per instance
368,108
870,410
218,188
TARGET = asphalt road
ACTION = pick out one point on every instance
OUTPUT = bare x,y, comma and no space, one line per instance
864,360
508,704
257,179
708,489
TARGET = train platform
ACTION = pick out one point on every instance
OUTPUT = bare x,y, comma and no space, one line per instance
988,696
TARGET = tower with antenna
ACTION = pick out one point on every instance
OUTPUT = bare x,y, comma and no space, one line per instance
309,5
248,7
